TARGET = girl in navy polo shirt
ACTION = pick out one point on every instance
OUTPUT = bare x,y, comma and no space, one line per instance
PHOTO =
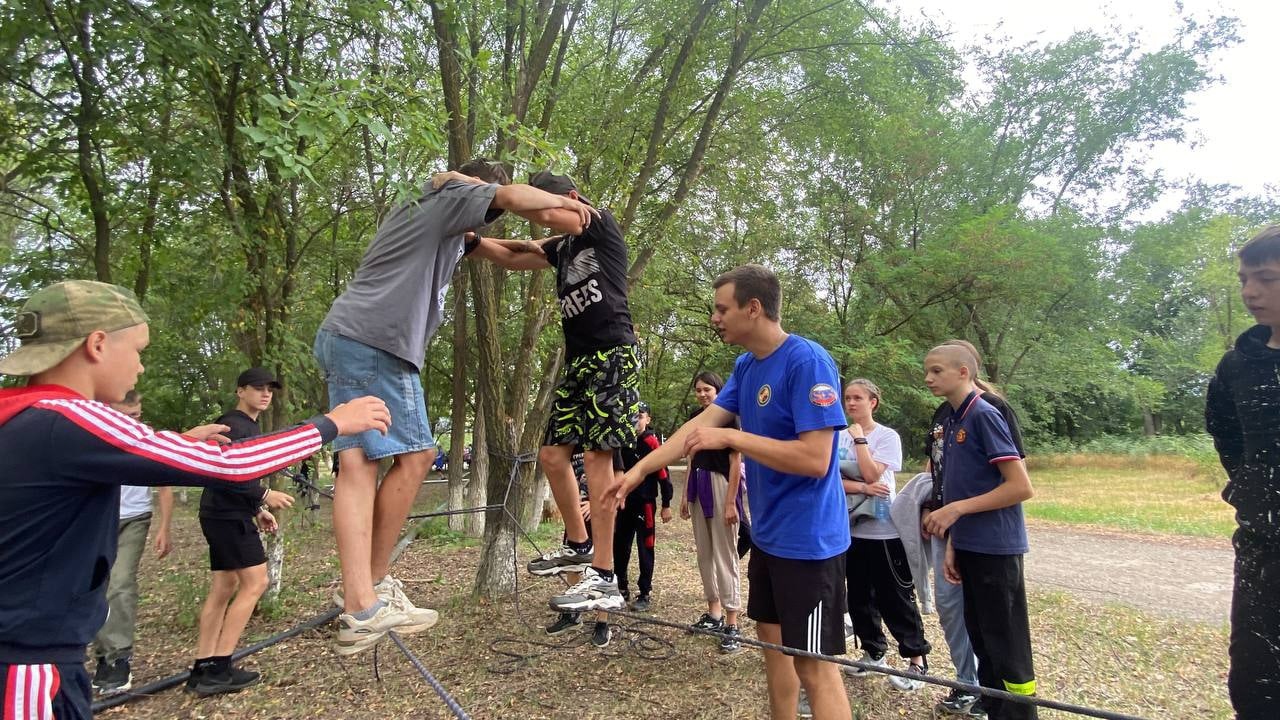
985,483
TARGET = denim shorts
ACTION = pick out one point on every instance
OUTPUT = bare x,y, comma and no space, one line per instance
353,369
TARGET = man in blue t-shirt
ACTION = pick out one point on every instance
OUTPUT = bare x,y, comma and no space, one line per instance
984,484
785,391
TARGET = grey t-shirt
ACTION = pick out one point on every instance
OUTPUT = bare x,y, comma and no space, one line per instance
395,302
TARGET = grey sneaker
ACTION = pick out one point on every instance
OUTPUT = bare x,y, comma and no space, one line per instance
641,604
391,591
910,684
802,707
565,559
959,702
869,660
601,634
356,635
592,593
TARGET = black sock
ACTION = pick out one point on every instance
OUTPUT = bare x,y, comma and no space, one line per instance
606,574
219,664
201,664
579,547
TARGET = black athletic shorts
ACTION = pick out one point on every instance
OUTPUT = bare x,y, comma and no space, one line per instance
805,597
233,544
596,403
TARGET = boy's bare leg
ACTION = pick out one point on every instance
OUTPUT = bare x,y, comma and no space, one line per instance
353,501
822,681
222,586
558,466
598,465
391,506
253,582
780,675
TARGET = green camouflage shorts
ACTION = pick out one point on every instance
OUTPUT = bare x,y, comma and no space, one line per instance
596,403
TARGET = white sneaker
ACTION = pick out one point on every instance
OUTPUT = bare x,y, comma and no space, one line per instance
356,635
909,683
391,591
866,659
592,593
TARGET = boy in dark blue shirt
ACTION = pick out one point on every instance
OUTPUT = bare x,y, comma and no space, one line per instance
1242,413
985,483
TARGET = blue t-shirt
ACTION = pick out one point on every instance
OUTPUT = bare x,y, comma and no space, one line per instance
976,440
794,390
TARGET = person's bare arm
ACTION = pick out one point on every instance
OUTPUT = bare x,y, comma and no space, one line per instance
569,216
164,513
735,481
512,254
808,455
1015,488
667,453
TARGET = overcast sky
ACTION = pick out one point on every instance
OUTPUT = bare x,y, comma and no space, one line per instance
1237,122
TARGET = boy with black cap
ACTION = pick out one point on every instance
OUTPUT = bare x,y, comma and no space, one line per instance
373,341
236,558
63,456
1241,415
596,402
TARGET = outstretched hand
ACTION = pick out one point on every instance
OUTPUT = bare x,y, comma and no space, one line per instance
361,414
212,432
707,438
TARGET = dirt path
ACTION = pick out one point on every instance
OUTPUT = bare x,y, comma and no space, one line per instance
1186,578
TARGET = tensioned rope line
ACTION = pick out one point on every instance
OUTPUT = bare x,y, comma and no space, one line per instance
972,689
448,699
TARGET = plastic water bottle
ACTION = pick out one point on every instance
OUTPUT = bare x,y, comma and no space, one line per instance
881,508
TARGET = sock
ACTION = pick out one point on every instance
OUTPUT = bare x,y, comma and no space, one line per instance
606,575
369,612
579,547
200,664
219,665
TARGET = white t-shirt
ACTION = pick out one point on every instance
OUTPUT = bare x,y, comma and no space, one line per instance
134,501
885,447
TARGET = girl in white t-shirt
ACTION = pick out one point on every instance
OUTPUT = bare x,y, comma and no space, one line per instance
876,569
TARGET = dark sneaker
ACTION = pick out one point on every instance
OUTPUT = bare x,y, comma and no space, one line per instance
706,622
592,593
641,604
567,621
197,673
958,702
729,643
229,681
601,635
565,559
112,679
912,683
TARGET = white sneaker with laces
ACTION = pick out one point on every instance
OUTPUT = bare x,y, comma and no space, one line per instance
391,591
909,684
591,593
867,659
356,635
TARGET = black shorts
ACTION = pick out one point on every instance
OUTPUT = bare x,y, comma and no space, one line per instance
596,403
805,597
233,544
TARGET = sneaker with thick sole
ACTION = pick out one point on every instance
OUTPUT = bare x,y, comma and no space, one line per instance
909,684
593,592
706,622
802,706
849,635
958,702
566,622
233,680
729,643
391,591
112,679
357,635
641,604
601,634
869,660
563,560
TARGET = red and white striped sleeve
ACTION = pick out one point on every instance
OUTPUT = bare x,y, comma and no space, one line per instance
140,455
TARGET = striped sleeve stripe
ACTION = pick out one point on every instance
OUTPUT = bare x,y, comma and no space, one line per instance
1004,458
247,461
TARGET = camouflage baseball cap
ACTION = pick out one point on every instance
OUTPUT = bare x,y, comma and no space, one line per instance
55,320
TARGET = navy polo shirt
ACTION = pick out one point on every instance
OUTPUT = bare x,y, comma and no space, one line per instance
977,439
795,389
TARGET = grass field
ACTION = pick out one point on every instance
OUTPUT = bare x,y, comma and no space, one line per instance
1150,494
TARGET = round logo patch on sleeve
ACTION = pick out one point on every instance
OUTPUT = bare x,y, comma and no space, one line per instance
823,395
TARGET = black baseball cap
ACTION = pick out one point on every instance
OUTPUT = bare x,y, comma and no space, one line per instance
548,181
258,376
643,407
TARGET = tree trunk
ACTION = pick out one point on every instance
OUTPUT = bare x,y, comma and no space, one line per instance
458,418
477,489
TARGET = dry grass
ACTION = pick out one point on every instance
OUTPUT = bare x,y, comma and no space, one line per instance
1154,494
1110,657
